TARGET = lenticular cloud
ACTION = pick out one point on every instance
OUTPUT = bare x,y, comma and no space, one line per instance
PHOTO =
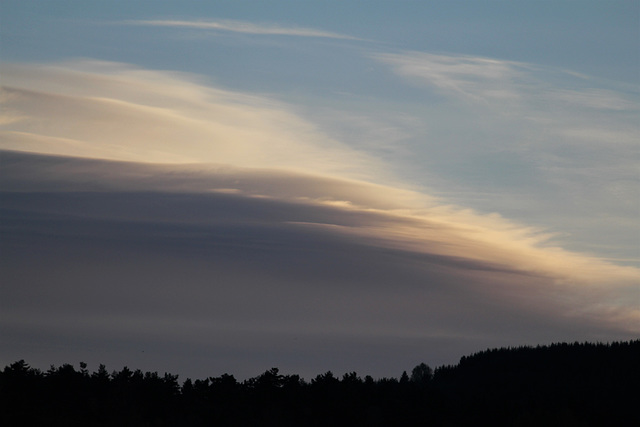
239,200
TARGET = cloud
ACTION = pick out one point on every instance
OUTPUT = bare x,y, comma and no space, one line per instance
263,149
243,27
367,214
152,256
471,78
151,209
567,142
74,109
504,85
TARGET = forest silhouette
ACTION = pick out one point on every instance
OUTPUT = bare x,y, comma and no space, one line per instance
559,384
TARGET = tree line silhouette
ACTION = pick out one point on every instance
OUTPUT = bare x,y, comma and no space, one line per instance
559,384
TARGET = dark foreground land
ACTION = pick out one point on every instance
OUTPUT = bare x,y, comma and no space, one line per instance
561,384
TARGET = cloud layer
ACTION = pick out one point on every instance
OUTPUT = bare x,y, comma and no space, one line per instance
138,115
149,208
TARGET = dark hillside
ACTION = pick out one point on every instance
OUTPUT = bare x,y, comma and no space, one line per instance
574,384
561,384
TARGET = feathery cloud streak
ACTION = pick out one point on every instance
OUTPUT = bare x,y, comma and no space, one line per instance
243,27
575,136
510,87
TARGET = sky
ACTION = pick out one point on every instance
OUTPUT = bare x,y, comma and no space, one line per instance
228,186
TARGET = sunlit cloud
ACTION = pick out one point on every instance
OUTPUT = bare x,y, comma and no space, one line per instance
123,113
243,27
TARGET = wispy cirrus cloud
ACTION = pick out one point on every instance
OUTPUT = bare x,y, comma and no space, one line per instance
242,27
574,139
504,83
468,77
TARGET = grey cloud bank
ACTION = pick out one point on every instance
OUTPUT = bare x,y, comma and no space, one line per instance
148,219
110,261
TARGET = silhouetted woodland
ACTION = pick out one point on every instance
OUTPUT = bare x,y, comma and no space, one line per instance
561,384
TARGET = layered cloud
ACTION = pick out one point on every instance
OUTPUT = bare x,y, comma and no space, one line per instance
150,206
122,113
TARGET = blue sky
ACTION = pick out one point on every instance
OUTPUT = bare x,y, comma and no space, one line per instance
482,156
